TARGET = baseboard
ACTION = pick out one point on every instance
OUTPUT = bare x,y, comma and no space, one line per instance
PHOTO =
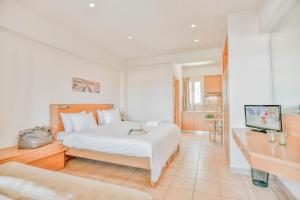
285,190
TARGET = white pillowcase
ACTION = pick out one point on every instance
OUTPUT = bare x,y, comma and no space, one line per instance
81,121
67,123
108,116
90,121
78,121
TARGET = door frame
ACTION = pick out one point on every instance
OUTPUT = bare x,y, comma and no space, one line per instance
176,103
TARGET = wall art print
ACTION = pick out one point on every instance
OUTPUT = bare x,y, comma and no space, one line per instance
82,85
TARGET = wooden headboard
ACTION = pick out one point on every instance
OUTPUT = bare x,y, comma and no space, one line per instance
56,124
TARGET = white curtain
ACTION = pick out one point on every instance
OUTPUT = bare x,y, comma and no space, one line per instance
186,93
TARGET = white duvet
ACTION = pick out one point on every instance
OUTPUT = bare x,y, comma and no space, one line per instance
156,143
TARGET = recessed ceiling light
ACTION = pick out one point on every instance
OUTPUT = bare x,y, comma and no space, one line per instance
193,25
130,37
92,5
196,40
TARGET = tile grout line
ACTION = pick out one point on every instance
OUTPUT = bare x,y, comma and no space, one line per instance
129,176
249,197
164,196
195,178
219,185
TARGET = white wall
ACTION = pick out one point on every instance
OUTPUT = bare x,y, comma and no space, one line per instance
124,93
150,82
249,73
38,61
34,75
150,93
285,51
202,70
272,13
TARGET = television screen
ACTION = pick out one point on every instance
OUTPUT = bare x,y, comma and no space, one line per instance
263,117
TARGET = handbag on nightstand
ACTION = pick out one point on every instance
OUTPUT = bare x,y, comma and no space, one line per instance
34,138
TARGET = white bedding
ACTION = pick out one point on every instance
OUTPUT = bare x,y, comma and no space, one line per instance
157,144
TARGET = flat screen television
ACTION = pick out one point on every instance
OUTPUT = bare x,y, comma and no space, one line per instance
263,117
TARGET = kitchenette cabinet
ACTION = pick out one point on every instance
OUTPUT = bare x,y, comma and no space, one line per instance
195,121
213,85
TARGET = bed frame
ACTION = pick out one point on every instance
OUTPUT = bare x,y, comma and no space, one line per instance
56,126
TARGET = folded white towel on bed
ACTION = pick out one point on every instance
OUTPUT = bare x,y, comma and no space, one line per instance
153,123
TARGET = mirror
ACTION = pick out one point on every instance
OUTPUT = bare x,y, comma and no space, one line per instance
285,61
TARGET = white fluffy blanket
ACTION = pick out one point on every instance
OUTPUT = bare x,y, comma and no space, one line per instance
23,182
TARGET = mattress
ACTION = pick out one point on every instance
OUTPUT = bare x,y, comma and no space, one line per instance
158,143
19,181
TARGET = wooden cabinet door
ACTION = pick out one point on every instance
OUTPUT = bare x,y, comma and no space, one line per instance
200,124
187,121
213,84
194,121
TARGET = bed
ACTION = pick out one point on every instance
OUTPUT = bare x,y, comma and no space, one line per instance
19,181
112,143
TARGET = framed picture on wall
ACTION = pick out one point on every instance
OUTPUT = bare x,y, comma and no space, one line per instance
82,85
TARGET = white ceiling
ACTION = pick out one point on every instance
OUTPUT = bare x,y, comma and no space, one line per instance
158,26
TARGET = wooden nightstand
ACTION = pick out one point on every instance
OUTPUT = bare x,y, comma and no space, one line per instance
51,156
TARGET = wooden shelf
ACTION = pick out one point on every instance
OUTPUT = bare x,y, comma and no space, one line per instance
270,157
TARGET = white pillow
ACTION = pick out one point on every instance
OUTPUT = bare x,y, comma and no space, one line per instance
117,115
81,121
66,122
90,121
78,120
108,116
100,115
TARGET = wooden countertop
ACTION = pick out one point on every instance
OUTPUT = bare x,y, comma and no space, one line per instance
270,157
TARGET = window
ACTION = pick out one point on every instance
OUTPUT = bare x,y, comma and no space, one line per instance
195,89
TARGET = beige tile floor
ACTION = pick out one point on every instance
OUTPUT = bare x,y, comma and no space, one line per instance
199,172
